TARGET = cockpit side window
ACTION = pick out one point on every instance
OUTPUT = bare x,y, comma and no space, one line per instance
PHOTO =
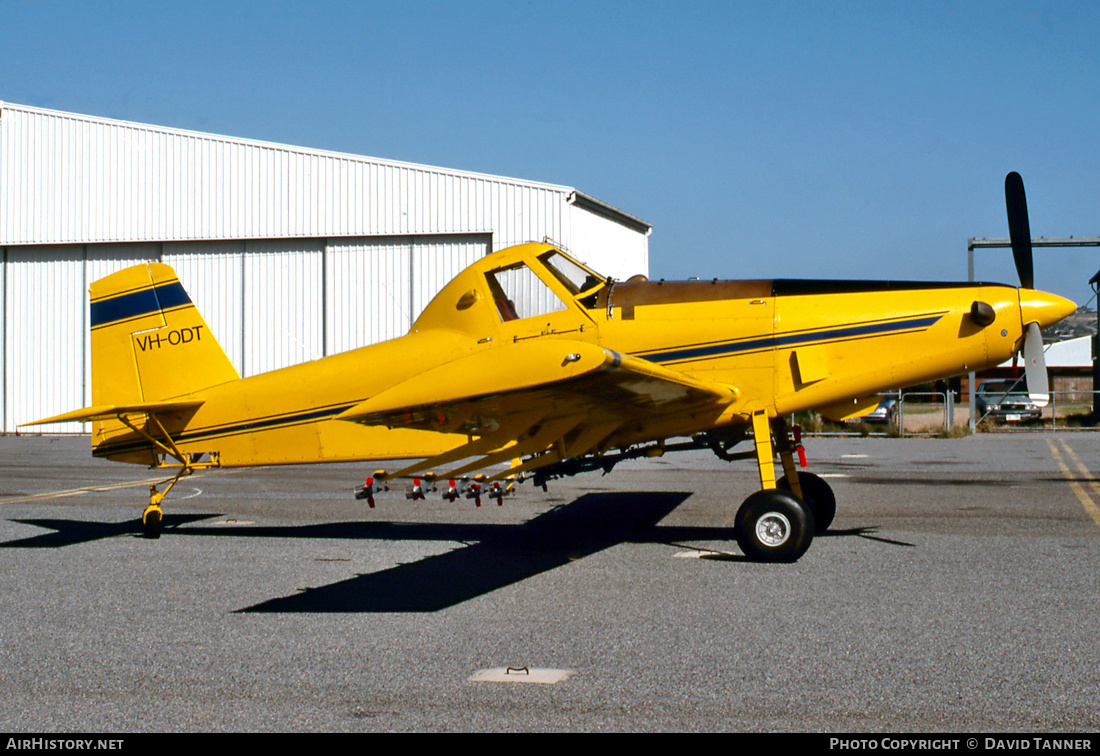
519,293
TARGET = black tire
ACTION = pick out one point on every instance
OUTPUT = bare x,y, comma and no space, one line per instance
774,526
818,496
152,522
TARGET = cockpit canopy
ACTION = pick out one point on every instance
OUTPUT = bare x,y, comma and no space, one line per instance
519,292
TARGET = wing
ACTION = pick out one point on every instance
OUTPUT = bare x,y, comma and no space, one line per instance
545,399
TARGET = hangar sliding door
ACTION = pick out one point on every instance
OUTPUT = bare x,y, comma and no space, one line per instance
438,259
367,292
375,288
3,340
44,325
283,305
212,272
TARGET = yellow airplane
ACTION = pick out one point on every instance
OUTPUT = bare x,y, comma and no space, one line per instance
535,357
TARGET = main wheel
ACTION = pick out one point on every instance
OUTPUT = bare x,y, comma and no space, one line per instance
151,521
818,496
774,526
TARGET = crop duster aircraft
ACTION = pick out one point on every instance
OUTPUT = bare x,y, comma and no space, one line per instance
537,358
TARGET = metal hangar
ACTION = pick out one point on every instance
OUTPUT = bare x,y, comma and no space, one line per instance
290,253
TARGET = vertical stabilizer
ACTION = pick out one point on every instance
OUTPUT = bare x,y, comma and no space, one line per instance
149,341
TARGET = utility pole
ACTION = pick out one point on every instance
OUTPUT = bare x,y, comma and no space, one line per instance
1094,282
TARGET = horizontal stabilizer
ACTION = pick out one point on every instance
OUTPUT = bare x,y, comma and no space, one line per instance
109,411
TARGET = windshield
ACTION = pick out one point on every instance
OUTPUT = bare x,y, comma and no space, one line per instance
1003,387
574,276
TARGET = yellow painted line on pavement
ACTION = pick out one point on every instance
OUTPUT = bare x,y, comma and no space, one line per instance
1078,476
78,491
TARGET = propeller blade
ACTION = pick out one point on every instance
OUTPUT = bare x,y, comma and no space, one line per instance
1019,230
1035,366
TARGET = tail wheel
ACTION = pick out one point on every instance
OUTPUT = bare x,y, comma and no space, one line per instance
151,521
774,526
817,495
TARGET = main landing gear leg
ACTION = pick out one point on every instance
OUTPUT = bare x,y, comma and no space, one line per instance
811,489
772,525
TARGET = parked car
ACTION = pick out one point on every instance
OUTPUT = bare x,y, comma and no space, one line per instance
1006,401
886,412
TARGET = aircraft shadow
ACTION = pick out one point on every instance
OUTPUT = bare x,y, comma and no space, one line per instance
71,532
867,533
502,555
486,558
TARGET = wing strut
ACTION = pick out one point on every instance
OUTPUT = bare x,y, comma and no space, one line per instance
490,442
588,439
545,436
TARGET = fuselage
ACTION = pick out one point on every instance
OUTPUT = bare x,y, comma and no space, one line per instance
781,345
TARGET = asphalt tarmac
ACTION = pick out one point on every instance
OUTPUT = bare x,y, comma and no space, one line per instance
958,590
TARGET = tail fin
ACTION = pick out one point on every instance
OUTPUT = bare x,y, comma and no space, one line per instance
149,342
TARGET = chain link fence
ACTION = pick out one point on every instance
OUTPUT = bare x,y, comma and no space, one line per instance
1067,411
940,413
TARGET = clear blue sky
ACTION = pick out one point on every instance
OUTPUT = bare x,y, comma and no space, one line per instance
761,139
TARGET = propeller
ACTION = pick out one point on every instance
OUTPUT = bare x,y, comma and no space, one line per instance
1019,232
1035,366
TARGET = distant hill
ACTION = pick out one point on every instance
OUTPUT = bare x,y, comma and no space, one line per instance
1080,323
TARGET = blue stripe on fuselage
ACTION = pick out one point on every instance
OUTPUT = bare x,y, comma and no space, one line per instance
792,339
254,425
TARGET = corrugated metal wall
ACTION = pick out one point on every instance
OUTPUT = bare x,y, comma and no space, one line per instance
44,331
368,292
435,263
609,248
213,274
283,304
289,253
3,336
85,180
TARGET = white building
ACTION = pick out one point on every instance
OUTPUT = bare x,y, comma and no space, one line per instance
289,253
1071,353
